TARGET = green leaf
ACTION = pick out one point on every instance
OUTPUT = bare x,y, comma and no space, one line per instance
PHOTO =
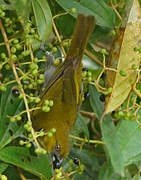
9,106
111,141
89,160
106,172
104,14
109,134
43,18
22,158
81,126
23,8
90,65
3,167
129,135
137,177
123,57
96,104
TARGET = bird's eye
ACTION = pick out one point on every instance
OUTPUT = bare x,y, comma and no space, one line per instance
57,147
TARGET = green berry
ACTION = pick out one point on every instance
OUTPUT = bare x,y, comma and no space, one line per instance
54,50
103,51
34,72
29,129
13,50
43,151
36,36
28,145
50,103
18,118
53,130
41,76
37,151
121,113
70,162
3,7
7,67
89,74
30,136
16,41
29,123
29,41
136,49
30,86
84,74
18,46
65,43
31,99
45,108
122,73
134,67
9,30
3,55
21,142
57,171
14,58
19,18
37,100
109,89
21,96
49,134
40,81
32,31
128,114
36,60
73,10
26,126
89,79
3,177
26,53
3,87
33,66
46,102
50,45
12,119
2,14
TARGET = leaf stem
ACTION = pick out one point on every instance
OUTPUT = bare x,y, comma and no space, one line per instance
93,57
86,140
58,36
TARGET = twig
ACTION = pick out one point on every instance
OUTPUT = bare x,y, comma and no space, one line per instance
61,14
128,101
20,173
88,114
59,39
93,57
115,10
86,140
136,91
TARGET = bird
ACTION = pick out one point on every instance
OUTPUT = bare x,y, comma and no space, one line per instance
64,88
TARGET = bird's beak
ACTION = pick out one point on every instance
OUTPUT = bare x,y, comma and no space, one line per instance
57,161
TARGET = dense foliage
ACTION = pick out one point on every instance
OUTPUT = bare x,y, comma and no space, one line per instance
105,140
